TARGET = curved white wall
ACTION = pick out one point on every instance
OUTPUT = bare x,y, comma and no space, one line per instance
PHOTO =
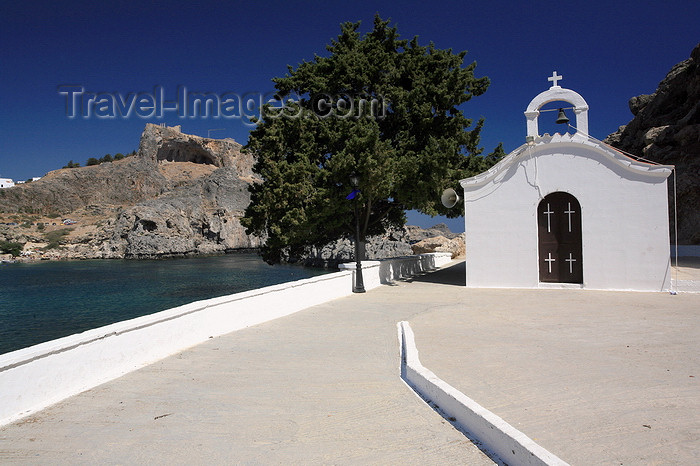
36,377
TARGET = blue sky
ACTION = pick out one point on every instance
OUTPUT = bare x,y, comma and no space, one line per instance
608,51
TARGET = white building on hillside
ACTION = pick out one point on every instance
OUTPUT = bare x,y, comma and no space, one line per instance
6,183
567,211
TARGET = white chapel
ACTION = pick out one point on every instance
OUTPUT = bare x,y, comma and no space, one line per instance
567,211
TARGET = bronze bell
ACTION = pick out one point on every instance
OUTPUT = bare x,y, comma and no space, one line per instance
561,118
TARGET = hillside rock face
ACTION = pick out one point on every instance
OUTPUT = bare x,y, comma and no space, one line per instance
61,192
417,234
162,143
405,242
203,218
454,246
666,129
179,195
392,244
194,217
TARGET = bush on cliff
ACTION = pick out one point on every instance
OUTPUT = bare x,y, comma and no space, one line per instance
9,247
54,237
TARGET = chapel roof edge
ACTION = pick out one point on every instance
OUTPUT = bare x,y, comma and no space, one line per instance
548,142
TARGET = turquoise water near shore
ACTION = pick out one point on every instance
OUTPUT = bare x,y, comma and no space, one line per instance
47,300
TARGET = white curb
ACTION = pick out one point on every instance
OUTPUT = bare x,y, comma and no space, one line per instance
497,436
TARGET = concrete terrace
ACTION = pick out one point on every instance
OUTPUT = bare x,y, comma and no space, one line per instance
593,377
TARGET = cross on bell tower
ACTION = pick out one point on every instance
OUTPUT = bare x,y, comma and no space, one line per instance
555,79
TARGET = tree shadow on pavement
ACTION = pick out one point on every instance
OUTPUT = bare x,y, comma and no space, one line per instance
452,275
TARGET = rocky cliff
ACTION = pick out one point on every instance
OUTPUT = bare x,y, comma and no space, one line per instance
405,242
201,218
169,144
454,246
179,195
61,192
666,129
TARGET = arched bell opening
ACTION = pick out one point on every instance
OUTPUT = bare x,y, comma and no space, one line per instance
557,117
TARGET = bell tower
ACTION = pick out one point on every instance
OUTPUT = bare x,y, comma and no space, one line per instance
556,93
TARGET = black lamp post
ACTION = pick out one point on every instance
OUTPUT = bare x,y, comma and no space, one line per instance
359,282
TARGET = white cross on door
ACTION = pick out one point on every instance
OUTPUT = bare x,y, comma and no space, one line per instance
549,212
549,261
568,212
571,261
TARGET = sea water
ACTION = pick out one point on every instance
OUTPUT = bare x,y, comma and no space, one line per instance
48,300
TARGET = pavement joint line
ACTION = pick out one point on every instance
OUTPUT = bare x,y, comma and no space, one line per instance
487,430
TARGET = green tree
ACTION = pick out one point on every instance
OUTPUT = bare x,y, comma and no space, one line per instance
118,156
72,164
55,237
8,247
92,161
106,158
381,107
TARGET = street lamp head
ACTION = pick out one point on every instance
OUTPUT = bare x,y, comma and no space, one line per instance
354,180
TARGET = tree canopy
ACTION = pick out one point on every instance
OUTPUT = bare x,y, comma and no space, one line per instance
378,106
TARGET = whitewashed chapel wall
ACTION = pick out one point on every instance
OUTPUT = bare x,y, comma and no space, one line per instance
624,216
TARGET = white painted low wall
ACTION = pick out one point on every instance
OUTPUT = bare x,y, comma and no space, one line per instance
36,377
497,436
384,271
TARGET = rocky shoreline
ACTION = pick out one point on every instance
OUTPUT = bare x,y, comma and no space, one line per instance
411,240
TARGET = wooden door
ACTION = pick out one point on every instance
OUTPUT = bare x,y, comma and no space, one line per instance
560,239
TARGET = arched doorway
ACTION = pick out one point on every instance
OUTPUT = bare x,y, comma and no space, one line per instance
560,239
